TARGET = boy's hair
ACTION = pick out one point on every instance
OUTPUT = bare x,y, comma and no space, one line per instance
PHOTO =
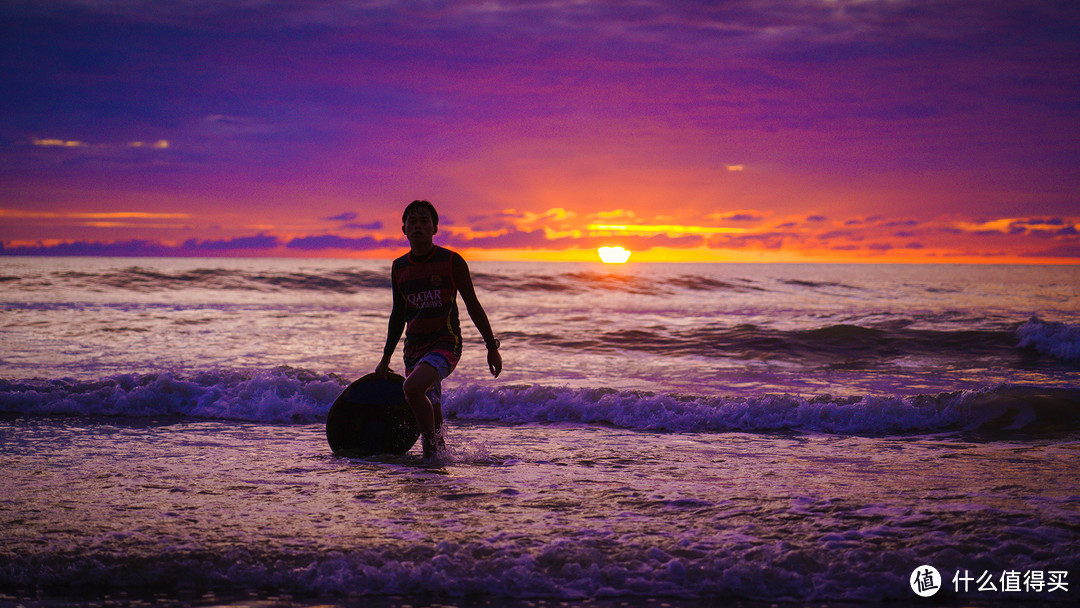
413,206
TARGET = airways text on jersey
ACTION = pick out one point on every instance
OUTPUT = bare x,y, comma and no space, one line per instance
425,299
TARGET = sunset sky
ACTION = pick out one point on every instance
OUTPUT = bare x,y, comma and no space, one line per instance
742,130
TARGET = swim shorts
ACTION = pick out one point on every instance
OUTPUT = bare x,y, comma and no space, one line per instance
441,365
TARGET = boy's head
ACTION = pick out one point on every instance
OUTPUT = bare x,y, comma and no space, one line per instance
421,207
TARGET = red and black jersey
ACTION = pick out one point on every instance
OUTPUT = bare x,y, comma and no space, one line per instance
425,288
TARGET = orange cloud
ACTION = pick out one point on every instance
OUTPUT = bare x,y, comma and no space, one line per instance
58,143
161,144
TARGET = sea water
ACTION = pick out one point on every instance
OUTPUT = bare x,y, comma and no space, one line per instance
661,434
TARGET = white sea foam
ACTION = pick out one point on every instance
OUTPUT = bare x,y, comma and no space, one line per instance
992,407
287,395
1058,340
280,395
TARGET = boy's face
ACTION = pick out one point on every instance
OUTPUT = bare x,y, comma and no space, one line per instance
418,226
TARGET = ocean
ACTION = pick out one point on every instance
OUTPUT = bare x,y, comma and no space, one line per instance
662,435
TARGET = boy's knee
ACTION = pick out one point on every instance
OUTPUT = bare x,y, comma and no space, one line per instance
413,390
418,383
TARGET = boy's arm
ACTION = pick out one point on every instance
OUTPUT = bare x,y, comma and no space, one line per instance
463,281
394,328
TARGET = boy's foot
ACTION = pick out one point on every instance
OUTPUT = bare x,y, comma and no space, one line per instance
434,448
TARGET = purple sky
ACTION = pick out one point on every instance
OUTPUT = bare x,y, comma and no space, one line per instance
887,130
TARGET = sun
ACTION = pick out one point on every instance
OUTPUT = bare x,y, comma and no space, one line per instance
613,255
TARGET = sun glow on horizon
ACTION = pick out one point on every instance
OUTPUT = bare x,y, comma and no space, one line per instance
613,255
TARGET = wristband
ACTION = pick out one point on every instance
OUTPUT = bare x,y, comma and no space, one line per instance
494,344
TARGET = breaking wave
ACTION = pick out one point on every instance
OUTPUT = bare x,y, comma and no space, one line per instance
291,396
996,408
1058,340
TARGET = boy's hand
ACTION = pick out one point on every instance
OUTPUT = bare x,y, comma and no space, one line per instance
494,362
383,368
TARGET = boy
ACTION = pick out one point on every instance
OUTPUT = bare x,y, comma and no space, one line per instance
426,282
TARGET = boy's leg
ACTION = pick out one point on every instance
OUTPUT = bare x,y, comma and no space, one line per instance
423,392
416,387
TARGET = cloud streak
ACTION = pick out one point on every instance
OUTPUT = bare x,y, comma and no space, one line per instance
23,214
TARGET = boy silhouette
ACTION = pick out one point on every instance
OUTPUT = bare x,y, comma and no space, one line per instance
426,281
